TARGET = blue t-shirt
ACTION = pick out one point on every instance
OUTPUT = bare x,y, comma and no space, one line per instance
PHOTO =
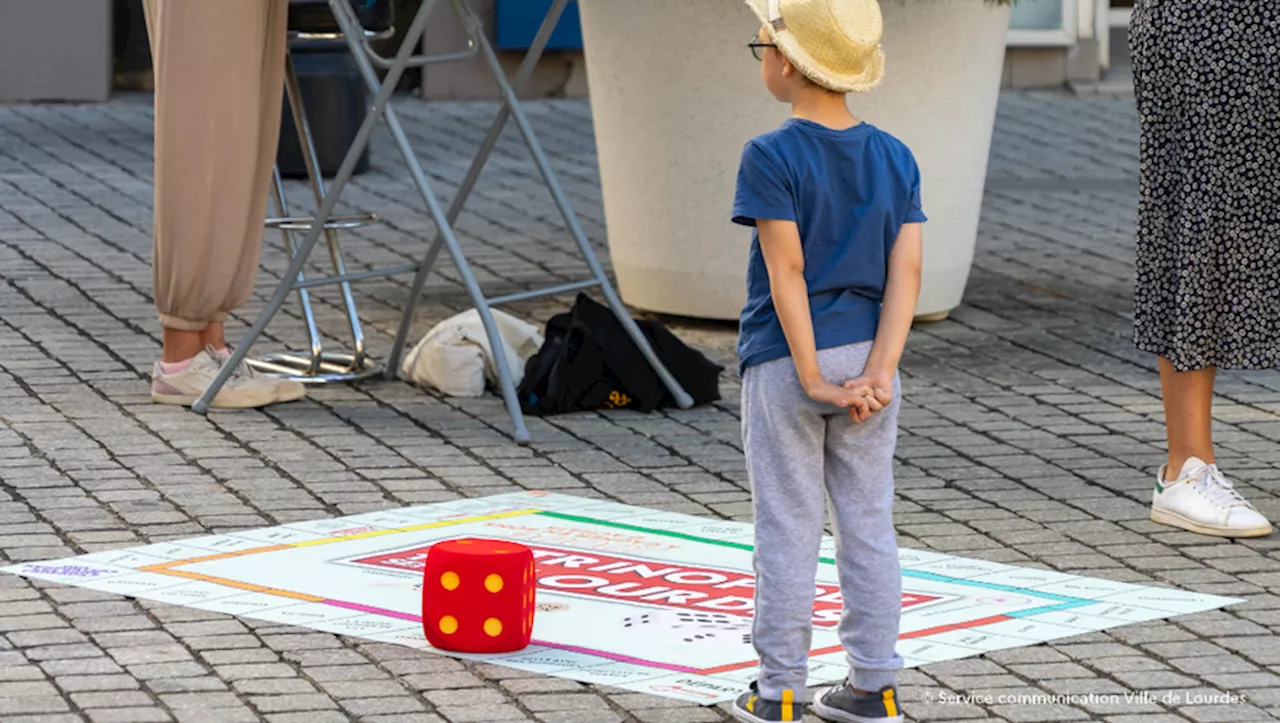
849,192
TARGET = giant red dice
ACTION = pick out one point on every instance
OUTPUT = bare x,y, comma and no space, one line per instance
478,596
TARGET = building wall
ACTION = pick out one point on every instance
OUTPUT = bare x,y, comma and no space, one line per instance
1030,68
1075,53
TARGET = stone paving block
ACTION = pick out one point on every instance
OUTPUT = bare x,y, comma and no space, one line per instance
46,653
280,703
454,698
200,701
1213,664
318,716
112,699
581,717
129,715
1048,671
239,656
339,657
219,715
521,686
1037,712
544,702
20,672
1151,680
979,682
441,681
363,707
247,672
273,686
481,713
89,683
1215,713
930,707
1158,633
363,688
13,705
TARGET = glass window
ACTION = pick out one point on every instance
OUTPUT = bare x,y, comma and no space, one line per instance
1043,22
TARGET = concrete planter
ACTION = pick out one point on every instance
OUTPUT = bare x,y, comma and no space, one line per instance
675,94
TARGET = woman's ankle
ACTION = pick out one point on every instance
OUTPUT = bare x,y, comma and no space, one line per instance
214,335
180,345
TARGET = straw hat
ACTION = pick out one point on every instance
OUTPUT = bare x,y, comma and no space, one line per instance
835,43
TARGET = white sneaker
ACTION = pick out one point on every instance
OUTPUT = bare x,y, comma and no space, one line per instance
287,390
1203,500
244,389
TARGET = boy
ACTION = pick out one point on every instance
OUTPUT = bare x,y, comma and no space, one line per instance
832,287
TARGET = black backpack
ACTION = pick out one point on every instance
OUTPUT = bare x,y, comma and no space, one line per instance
588,361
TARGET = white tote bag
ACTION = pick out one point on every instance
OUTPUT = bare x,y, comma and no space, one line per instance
455,356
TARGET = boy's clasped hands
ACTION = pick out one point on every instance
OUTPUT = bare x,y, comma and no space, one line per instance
863,396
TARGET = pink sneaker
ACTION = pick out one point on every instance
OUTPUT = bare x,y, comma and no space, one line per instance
243,390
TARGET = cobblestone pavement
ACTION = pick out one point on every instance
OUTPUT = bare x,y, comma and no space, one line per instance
1029,436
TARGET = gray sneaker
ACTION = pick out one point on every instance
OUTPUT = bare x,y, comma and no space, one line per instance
751,708
243,390
842,704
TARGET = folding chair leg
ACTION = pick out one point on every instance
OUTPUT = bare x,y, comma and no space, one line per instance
525,70
682,398
304,296
443,227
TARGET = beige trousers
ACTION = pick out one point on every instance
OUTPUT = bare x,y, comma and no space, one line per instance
219,72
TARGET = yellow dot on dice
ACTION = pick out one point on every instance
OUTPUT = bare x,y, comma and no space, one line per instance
493,583
493,627
450,581
449,625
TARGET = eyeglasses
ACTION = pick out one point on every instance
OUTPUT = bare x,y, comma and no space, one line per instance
755,46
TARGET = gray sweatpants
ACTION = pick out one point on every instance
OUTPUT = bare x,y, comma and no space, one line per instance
800,455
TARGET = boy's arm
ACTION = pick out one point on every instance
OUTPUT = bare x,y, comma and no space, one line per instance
902,291
784,259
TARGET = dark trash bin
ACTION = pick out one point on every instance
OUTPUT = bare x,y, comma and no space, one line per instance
336,100
333,91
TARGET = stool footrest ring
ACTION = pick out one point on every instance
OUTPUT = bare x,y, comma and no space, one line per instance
304,223
333,367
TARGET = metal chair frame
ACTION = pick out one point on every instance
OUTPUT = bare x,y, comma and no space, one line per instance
366,59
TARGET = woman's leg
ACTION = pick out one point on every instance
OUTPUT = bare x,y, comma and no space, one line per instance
218,72
1188,399
1191,492
211,60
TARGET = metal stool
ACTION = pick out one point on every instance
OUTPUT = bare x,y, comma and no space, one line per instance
312,20
349,22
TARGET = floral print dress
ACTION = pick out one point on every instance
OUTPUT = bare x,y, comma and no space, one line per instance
1207,82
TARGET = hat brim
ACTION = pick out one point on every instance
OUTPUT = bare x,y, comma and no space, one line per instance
868,79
